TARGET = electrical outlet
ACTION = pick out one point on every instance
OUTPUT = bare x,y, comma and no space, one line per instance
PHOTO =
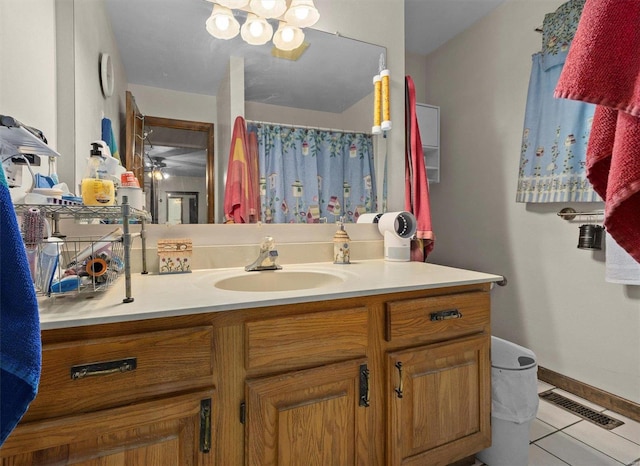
13,173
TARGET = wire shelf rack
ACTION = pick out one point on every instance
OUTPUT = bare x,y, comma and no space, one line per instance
123,214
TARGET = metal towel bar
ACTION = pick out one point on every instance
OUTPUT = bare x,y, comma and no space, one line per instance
568,213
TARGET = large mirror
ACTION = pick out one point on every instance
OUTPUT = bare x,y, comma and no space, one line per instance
328,86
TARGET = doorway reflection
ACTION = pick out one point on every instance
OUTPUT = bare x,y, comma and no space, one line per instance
182,207
178,164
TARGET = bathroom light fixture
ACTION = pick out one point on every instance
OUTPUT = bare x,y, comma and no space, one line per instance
288,37
221,24
234,4
302,13
158,174
256,30
268,8
157,166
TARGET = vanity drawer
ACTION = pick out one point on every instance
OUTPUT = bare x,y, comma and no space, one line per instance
305,340
102,373
437,318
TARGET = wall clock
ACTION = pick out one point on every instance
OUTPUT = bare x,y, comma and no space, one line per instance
106,75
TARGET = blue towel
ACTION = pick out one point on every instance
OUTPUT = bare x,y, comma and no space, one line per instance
20,344
110,139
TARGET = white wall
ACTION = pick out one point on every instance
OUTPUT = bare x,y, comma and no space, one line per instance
416,67
230,106
174,104
557,302
356,118
65,88
92,24
27,74
32,55
28,70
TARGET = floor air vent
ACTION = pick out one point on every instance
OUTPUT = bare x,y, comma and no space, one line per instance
583,411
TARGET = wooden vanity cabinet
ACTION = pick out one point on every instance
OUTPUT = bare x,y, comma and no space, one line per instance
164,432
317,415
439,411
120,400
440,399
299,384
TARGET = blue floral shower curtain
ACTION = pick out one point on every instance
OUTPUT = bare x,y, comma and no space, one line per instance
309,174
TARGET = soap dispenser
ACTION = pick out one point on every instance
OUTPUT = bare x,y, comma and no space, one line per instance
96,189
341,240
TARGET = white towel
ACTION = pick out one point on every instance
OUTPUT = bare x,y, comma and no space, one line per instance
620,266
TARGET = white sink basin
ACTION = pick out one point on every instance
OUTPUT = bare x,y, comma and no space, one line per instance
277,280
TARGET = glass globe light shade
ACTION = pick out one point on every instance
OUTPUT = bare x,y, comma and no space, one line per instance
268,8
255,30
221,24
302,13
288,37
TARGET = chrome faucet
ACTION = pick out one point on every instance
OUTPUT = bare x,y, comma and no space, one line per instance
267,257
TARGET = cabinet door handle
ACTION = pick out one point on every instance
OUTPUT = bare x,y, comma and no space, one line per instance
364,386
205,425
103,368
446,314
400,389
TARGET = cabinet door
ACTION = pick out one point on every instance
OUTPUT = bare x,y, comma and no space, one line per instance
309,417
429,124
440,404
168,432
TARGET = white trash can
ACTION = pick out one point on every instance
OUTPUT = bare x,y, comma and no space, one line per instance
514,403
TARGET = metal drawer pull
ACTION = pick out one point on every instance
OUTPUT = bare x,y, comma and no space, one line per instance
205,425
103,368
447,314
400,390
364,386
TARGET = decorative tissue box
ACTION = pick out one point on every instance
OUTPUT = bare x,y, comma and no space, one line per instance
175,255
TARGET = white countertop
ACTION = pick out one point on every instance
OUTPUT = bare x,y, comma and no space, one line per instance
193,293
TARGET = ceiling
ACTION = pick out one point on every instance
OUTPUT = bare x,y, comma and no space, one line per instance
428,24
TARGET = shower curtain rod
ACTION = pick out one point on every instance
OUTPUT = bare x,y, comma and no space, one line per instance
307,127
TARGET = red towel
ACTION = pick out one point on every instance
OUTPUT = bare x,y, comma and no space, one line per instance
254,175
240,194
603,67
416,197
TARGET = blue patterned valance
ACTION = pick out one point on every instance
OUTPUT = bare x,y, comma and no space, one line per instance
556,131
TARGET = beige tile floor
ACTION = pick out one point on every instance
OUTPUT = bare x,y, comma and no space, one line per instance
559,438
